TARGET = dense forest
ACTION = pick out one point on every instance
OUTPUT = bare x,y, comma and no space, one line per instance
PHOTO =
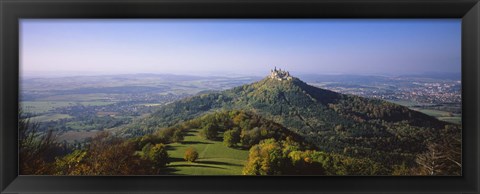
289,127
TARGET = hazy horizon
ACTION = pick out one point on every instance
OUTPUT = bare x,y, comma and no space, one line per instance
239,47
227,74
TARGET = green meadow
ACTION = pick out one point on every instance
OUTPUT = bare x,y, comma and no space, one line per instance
442,115
214,158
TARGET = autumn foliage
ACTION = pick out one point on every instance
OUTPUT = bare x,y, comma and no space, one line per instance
191,154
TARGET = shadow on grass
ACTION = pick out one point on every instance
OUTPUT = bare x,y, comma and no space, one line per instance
218,163
168,171
171,148
240,148
195,142
195,165
176,160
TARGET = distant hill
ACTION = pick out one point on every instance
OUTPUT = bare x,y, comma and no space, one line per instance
354,126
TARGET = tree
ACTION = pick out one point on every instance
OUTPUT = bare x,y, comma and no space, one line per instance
164,135
159,156
339,128
305,163
110,155
250,137
443,154
146,150
177,136
431,161
266,158
209,131
231,138
401,170
36,150
191,154
72,164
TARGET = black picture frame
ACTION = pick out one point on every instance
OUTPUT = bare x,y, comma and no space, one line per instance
13,10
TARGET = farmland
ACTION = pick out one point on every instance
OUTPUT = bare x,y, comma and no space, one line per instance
77,107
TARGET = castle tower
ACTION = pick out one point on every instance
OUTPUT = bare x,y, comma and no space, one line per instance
279,74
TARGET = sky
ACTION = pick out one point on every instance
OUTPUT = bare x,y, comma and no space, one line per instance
243,47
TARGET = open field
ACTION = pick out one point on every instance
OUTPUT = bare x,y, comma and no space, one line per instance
81,98
456,120
45,106
440,115
214,157
50,117
434,113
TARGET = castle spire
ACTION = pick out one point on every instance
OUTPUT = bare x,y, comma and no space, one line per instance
279,74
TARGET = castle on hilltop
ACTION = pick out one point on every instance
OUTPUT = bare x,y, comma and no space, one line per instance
279,74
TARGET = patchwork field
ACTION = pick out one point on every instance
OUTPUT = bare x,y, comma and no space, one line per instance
45,106
50,117
442,115
214,157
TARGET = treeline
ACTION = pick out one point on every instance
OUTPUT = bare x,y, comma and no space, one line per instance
272,157
236,128
241,128
174,113
105,154
40,154
109,155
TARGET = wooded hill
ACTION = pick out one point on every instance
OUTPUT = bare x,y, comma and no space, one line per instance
349,125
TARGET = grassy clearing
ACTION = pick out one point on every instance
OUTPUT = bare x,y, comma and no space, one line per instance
455,120
214,157
50,117
442,115
434,113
